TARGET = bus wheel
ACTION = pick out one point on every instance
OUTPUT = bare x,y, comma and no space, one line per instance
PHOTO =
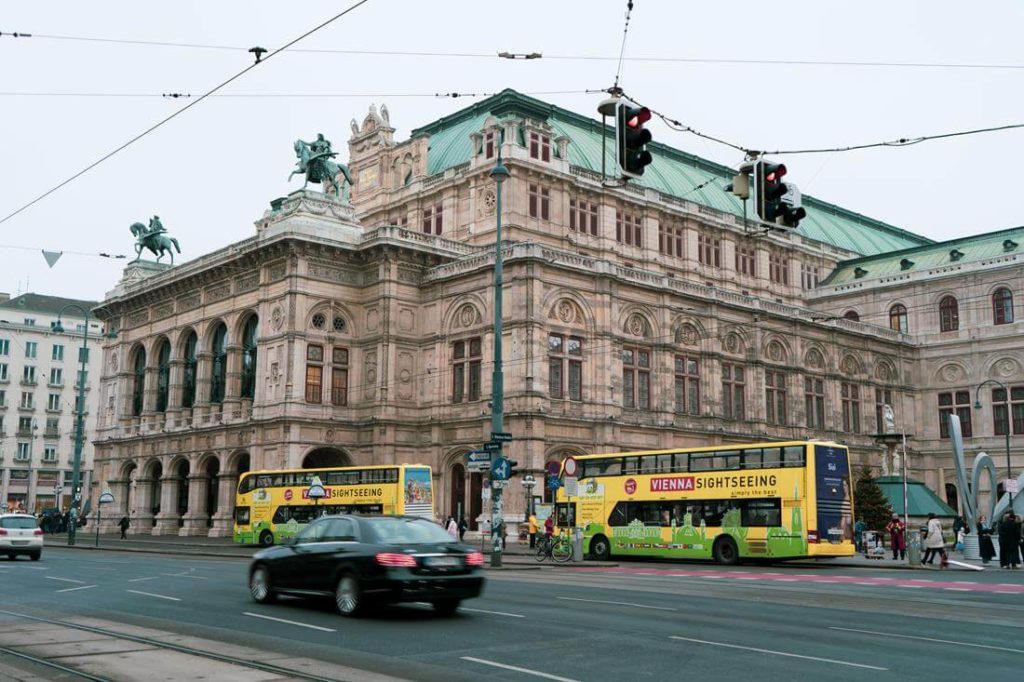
600,548
725,552
266,538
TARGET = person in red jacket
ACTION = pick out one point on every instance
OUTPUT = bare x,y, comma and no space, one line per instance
897,537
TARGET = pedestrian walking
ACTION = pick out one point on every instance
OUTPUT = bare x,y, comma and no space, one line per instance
959,525
463,527
985,546
1009,541
124,524
897,537
452,528
934,543
533,530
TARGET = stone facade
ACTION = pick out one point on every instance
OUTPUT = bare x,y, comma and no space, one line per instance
362,333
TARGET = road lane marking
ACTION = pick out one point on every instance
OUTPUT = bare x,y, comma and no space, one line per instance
618,603
66,580
928,639
139,580
957,589
496,613
778,653
151,594
184,575
72,589
526,671
289,622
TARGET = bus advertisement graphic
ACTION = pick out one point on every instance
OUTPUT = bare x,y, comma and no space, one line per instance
832,471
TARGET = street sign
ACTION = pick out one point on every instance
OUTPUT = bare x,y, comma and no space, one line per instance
554,483
478,456
485,494
492,447
571,489
501,437
478,466
569,466
1010,485
500,469
552,468
499,484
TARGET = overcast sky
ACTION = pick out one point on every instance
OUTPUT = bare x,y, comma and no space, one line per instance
212,171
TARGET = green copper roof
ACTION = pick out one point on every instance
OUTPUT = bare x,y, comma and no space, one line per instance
920,497
935,255
673,172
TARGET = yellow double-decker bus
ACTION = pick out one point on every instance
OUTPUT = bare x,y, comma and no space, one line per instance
729,503
272,505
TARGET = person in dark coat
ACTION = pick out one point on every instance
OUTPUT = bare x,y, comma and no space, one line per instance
1009,541
463,527
985,545
124,524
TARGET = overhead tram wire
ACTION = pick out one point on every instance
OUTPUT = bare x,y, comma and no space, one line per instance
185,108
558,57
295,95
622,50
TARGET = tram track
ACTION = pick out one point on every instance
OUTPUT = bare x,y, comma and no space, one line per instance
290,673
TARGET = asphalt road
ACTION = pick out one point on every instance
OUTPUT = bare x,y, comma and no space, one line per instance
635,621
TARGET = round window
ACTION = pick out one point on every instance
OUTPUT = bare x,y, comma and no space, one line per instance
339,324
319,321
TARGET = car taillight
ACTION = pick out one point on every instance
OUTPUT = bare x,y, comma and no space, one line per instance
812,536
393,560
3,531
474,559
38,531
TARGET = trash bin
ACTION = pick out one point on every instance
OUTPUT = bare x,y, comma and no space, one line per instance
914,548
577,544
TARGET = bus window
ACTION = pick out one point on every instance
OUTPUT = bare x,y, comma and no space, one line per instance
761,513
681,462
701,462
246,486
752,458
631,466
649,464
601,467
242,516
793,455
772,458
264,481
727,459
560,514
618,515
714,511
664,464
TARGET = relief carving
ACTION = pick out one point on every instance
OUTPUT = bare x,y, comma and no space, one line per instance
687,335
405,367
406,320
637,325
370,372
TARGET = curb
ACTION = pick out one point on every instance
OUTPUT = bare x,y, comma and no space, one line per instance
136,550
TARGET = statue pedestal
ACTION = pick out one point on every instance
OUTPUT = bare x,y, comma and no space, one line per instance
135,272
313,213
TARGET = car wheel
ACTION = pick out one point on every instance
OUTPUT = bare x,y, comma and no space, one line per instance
260,586
348,596
36,556
600,548
11,556
447,607
266,538
725,552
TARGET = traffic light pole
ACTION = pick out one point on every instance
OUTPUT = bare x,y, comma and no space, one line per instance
499,173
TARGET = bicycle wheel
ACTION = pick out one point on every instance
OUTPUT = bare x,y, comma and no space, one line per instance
562,552
542,552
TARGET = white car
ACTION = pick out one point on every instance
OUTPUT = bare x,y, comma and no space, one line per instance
20,534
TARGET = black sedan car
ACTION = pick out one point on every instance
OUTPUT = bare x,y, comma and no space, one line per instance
363,560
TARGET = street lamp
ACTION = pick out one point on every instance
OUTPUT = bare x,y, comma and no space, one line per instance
57,490
105,498
500,174
977,406
76,472
528,482
317,492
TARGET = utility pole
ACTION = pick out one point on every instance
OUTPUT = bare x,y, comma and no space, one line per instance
76,467
500,174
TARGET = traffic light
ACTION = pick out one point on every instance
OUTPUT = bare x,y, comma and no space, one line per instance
631,138
768,190
512,464
792,206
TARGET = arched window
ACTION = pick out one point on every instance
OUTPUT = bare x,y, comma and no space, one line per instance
852,315
898,318
1002,306
249,358
188,386
163,375
219,358
949,314
139,385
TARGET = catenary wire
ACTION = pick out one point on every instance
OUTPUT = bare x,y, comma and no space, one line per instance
622,50
185,108
291,95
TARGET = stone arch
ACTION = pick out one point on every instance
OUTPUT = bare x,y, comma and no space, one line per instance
137,364
238,462
734,342
688,331
637,321
321,457
149,495
465,312
337,318
952,372
583,315
1003,367
851,365
241,319
885,370
815,358
775,349
211,330
461,487
208,470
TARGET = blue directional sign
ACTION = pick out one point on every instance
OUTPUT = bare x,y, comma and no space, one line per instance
500,469
478,456
554,483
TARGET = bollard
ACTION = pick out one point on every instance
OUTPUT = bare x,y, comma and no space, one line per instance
577,544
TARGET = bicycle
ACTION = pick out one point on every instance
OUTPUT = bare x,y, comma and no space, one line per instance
557,548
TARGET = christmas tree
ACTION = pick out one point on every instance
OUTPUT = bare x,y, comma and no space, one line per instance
870,502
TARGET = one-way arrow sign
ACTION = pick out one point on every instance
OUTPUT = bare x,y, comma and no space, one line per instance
478,456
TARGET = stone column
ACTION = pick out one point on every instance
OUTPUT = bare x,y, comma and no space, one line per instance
201,409
174,392
232,383
142,505
223,519
195,515
167,519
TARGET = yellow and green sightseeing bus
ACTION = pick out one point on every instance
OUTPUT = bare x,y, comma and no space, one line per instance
728,503
272,505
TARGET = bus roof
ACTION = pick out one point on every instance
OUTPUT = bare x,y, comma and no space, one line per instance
341,468
709,448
